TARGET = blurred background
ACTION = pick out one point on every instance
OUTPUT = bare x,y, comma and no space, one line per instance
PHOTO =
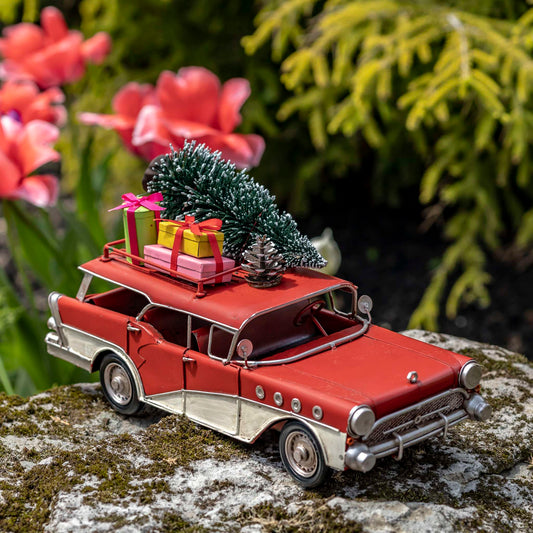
404,126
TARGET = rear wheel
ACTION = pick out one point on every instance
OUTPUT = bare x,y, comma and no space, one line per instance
302,456
119,386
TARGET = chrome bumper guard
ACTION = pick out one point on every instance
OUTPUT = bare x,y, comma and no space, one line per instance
362,457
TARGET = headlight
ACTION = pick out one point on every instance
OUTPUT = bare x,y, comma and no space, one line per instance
361,420
470,375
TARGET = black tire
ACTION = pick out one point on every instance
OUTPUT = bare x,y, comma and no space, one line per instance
302,455
119,386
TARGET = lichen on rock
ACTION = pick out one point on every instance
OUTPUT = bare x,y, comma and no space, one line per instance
68,462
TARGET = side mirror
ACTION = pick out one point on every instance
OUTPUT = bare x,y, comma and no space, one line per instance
365,305
245,348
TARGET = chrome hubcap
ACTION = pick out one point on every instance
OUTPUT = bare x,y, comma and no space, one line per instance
301,454
117,384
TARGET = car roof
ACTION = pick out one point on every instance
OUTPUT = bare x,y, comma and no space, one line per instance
231,304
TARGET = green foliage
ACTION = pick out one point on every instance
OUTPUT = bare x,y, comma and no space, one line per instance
195,181
9,10
455,78
46,248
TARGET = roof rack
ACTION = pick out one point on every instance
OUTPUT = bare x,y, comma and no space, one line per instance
112,253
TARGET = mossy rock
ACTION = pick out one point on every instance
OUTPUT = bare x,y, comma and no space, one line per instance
68,462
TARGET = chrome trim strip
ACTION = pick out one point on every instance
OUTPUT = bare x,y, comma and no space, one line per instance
306,297
331,345
53,299
84,286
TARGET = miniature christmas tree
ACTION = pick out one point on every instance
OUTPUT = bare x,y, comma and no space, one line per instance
263,263
196,181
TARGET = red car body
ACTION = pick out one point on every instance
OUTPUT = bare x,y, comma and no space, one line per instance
241,360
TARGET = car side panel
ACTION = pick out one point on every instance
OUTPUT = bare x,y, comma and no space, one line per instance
212,392
95,320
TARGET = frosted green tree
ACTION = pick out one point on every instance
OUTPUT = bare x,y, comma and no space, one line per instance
196,181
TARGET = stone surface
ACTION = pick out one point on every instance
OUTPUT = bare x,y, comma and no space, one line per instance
69,463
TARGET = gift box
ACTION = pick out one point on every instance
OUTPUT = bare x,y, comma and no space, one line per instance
140,227
195,243
194,267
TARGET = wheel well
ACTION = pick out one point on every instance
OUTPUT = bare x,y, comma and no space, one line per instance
97,361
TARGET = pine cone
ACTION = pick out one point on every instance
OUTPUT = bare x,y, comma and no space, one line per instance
263,263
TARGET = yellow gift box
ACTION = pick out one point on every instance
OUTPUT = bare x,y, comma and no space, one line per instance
191,243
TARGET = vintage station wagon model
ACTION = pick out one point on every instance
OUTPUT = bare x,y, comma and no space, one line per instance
241,360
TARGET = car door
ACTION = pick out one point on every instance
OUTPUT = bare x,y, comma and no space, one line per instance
211,388
156,352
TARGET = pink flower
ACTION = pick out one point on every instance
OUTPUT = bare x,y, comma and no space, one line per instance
24,148
23,100
127,104
189,105
49,55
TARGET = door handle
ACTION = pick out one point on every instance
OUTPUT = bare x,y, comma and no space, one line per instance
133,329
188,359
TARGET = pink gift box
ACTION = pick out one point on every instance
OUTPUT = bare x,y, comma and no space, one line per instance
194,267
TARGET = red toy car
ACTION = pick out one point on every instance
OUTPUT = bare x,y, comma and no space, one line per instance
296,357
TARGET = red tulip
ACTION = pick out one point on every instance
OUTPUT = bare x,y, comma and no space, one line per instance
127,104
49,55
24,148
23,101
188,105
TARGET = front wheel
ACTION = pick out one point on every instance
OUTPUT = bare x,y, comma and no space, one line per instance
119,386
302,456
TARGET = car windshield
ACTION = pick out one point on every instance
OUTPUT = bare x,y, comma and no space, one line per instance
290,332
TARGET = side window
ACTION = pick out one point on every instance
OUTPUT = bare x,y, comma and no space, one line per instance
115,298
210,339
342,301
170,323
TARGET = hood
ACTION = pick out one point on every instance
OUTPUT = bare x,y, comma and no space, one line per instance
375,366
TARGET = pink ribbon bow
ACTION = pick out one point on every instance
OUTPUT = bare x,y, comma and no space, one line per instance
132,203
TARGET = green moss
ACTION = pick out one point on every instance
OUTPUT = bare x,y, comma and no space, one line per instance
106,468
111,473
500,367
119,521
172,522
310,517
176,442
27,503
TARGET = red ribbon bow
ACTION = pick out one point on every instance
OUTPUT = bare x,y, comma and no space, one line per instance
197,228
132,203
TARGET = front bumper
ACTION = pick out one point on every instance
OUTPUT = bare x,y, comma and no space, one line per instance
362,456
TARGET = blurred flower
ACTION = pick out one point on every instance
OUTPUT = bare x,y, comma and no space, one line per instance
188,105
24,148
49,55
328,248
23,101
127,104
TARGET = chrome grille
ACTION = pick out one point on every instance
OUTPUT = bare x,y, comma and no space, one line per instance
417,415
